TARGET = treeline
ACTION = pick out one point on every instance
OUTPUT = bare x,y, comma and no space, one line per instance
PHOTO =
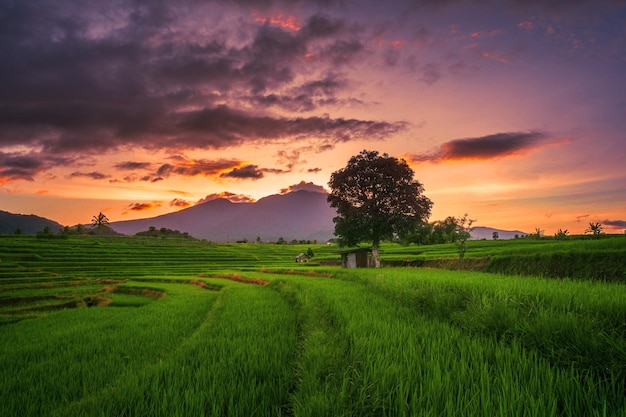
164,232
449,230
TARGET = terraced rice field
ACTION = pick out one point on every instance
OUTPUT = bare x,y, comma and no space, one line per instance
167,328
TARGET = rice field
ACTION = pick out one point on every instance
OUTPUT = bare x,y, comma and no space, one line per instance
140,327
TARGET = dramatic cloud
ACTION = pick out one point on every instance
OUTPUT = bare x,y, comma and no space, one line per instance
305,186
16,166
235,198
222,127
495,146
19,167
183,166
82,84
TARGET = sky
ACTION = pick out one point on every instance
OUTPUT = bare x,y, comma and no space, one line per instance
513,112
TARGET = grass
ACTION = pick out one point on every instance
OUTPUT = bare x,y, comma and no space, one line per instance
193,328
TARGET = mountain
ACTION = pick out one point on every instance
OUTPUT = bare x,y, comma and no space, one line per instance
28,224
301,215
487,233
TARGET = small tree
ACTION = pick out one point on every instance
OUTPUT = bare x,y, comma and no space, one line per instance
99,222
538,233
561,234
376,198
595,229
464,233
495,235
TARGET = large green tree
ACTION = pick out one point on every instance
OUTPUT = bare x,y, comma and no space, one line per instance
376,198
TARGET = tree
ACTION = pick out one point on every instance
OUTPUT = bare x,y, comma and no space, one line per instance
464,233
445,231
595,229
376,198
561,234
99,222
495,235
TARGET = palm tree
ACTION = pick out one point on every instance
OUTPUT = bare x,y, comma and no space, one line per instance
595,229
99,222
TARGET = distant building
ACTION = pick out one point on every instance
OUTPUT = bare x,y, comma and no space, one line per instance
303,257
356,258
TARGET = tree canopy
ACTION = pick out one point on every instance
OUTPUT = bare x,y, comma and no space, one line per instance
376,198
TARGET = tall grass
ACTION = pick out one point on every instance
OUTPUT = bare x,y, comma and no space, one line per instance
50,362
238,363
315,342
387,358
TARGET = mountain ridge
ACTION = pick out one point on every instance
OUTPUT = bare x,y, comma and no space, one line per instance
482,232
28,224
299,215
296,215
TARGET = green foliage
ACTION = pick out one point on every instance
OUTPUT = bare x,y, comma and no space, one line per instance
317,341
463,232
595,229
47,233
376,198
163,233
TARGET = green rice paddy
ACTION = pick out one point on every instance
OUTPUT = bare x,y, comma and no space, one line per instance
155,327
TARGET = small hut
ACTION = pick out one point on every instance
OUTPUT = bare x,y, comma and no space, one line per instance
303,257
356,258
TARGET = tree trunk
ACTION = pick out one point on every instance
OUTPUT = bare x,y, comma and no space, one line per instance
375,255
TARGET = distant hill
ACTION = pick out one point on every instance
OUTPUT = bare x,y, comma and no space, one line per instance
301,215
29,224
487,233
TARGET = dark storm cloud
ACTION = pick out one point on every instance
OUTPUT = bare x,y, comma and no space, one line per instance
223,127
487,147
19,167
308,96
96,77
25,166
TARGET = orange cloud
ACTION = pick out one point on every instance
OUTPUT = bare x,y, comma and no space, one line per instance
289,22
304,186
178,202
142,206
235,198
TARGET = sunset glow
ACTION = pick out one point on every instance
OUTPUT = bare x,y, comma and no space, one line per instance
512,112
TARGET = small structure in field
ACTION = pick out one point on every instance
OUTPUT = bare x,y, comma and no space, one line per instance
356,258
303,257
